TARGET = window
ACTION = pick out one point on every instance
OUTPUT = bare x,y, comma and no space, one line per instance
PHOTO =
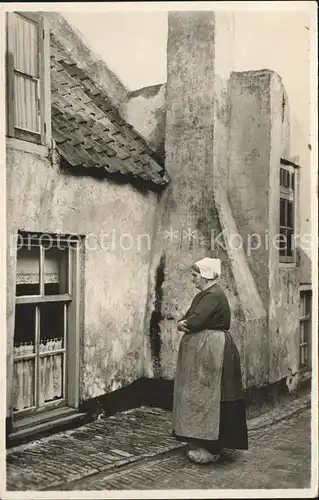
283,106
45,335
28,77
287,213
305,329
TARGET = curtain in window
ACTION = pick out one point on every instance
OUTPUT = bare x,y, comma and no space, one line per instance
23,384
51,378
50,381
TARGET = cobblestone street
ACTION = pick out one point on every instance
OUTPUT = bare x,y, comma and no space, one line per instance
134,450
279,457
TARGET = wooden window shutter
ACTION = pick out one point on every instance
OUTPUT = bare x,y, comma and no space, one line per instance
45,81
28,77
9,76
41,81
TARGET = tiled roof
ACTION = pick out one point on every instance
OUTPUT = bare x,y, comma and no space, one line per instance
89,132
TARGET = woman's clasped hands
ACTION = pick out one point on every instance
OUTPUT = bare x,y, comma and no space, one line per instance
182,326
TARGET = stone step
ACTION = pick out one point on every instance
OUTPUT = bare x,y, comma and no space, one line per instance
63,420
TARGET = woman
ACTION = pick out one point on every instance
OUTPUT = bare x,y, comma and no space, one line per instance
209,407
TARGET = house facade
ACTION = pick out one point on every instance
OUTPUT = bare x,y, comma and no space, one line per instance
101,234
250,184
82,190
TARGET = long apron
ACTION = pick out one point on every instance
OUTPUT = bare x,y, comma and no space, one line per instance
197,386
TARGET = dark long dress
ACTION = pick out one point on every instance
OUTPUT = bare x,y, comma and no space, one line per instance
209,406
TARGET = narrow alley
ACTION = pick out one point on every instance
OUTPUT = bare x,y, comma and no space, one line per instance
160,254
134,450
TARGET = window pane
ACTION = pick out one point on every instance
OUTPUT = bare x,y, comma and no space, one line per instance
304,356
26,289
51,339
305,346
283,242
55,271
290,242
290,214
305,303
292,181
26,46
25,103
51,378
23,384
286,178
302,304
308,341
24,329
51,327
28,275
283,203
308,303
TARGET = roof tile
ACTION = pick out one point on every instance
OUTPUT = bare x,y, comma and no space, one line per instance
89,131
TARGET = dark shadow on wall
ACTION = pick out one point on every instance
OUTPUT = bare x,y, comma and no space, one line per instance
158,393
156,318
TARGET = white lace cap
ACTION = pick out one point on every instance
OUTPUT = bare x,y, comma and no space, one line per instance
209,267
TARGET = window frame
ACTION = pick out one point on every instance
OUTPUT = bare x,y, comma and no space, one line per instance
288,194
305,319
43,137
70,348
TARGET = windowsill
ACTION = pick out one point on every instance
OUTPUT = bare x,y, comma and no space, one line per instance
48,422
305,287
287,265
27,147
307,317
304,374
20,422
291,162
